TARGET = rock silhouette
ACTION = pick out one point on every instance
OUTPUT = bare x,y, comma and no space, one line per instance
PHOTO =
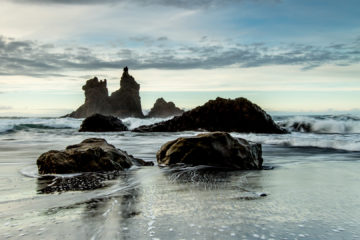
96,99
238,115
126,101
122,103
217,149
163,109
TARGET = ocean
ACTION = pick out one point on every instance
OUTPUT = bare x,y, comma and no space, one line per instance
310,188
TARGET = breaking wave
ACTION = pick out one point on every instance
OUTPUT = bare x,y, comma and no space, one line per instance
348,142
132,123
342,124
10,125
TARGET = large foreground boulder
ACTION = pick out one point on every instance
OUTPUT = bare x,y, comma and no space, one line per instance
91,155
101,123
163,109
216,149
238,115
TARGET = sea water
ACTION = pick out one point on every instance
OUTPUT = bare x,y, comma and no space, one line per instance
310,190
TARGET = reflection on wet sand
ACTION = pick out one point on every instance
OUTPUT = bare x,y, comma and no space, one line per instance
105,217
145,197
208,178
115,211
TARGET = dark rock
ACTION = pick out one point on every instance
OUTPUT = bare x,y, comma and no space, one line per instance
91,155
101,123
163,109
126,101
123,103
217,149
238,115
82,182
96,99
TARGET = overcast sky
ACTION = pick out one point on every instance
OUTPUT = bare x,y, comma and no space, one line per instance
285,55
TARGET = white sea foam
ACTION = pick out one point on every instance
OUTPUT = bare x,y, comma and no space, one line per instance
16,124
336,132
322,124
132,123
349,142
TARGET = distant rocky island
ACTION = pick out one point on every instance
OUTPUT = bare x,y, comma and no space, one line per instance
122,103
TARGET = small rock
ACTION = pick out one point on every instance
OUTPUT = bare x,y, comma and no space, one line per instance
101,123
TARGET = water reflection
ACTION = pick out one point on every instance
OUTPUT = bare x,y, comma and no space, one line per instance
210,178
111,217
146,201
107,216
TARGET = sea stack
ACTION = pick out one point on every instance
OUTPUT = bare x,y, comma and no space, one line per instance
163,109
126,101
96,99
123,103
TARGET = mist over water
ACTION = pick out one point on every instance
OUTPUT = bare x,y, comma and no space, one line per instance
311,192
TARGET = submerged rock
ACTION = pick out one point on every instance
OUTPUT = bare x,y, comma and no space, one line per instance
217,149
101,123
238,115
91,155
123,103
163,109
78,182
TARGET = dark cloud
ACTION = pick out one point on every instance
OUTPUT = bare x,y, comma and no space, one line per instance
35,59
163,38
149,41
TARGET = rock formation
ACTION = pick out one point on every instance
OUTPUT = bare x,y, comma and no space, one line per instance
124,102
91,155
216,149
101,123
96,99
238,115
163,109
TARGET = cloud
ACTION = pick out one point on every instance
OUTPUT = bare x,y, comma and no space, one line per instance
169,3
36,59
5,107
163,38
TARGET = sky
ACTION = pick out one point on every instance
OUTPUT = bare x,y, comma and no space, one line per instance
284,55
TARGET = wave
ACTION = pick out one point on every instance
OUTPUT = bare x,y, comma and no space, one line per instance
348,142
20,127
132,123
343,124
11,125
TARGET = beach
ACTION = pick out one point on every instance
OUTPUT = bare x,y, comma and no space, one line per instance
308,190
